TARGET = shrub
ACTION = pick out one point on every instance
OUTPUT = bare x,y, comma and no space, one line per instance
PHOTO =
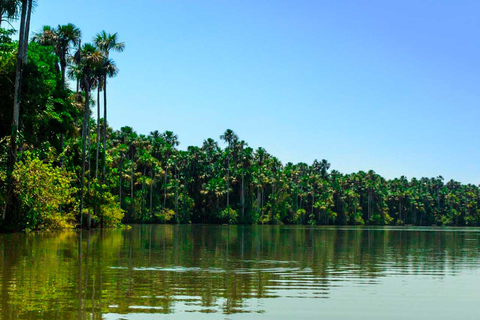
110,210
45,195
165,215
228,216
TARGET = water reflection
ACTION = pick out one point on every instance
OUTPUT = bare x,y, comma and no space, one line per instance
217,270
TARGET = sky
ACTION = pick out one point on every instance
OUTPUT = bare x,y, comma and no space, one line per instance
392,86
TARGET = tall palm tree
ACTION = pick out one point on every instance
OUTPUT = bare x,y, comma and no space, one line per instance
61,39
171,141
21,61
231,139
107,42
88,59
66,36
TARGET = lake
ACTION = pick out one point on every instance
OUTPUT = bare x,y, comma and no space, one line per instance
240,272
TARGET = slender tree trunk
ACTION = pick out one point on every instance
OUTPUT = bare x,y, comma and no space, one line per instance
84,146
104,158
185,191
165,184
143,191
369,204
152,174
176,194
27,32
400,209
98,133
131,187
89,157
9,208
243,197
258,199
120,167
228,182
313,202
18,84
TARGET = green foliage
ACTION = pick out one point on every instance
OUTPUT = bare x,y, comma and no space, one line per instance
228,215
109,214
42,190
5,37
165,215
299,216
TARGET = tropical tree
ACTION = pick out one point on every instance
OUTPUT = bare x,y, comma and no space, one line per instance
107,43
26,10
231,139
88,59
9,10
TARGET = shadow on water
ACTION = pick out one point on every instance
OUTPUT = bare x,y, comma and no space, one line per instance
163,269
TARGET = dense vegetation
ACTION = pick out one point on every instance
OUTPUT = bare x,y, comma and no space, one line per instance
62,167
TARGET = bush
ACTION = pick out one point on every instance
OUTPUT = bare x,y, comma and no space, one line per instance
110,211
298,216
45,195
228,216
165,215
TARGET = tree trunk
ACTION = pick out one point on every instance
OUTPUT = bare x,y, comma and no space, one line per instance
185,191
18,85
143,191
228,182
313,201
243,197
104,158
89,157
165,184
120,182
369,204
131,188
176,194
98,133
27,31
9,208
84,145
152,174
400,210
258,199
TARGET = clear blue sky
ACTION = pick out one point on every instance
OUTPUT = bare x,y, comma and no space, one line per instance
392,86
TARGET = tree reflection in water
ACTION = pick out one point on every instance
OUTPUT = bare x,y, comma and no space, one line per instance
163,269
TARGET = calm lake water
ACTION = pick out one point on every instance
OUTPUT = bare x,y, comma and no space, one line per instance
260,272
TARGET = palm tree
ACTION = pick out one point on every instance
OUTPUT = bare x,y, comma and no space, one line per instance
246,156
9,10
171,141
46,37
88,59
107,43
66,36
21,61
61,39
231,139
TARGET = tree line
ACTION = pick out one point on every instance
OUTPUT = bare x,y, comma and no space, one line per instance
62,165
156,182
